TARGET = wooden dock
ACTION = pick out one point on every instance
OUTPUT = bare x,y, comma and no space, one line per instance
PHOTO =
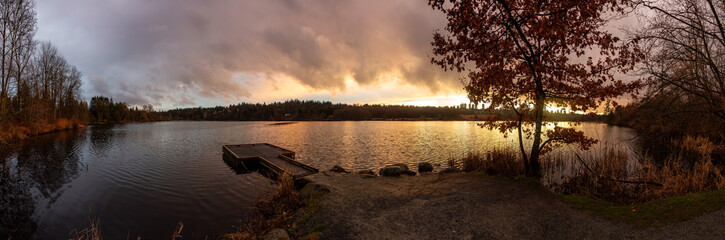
263,155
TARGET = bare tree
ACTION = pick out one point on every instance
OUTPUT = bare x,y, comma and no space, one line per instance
686,58
52,70
17,27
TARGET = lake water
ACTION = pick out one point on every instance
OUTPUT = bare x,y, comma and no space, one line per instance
142,179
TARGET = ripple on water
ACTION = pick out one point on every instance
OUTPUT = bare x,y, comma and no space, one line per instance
141,179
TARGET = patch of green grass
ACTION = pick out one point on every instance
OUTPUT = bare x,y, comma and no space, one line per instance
310,216
649,214
317,228
312,207
653,213
312,236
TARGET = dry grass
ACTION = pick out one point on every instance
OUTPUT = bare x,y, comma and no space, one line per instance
273,210
611,177
609,174
92,232
177,232
11,132
499,162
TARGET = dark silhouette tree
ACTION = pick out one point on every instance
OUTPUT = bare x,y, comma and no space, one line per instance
525,54
686,57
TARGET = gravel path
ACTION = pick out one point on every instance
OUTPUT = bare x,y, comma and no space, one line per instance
465,206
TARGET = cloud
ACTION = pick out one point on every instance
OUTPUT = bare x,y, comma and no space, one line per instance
184,52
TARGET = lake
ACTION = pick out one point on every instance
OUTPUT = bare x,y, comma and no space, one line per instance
141,179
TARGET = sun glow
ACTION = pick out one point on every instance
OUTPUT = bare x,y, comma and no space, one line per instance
388,90
434,101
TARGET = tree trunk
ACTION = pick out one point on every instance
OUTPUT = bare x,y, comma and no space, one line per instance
534,167
521,147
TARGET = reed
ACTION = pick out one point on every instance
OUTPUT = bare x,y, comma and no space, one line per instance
610,176
499,162
608,173
92,232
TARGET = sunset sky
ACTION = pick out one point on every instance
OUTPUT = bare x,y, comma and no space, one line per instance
183,53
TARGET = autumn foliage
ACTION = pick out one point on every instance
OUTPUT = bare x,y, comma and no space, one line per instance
525,55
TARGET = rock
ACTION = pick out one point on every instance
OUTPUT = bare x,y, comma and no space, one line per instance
390,171
301,183
449,170
403,166
425,167
312,189
408,172
338,169
277,234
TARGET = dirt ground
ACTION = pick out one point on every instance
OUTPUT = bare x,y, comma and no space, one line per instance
466,206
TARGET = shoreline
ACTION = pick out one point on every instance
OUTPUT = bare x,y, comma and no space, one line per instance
17,133
11,135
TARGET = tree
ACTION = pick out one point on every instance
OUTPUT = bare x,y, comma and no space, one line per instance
686,57
100,108
17,28
524,55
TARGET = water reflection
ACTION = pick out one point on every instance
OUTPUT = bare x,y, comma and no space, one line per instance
37,170
141,179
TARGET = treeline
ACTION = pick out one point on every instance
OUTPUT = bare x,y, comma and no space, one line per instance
312,110
39,89
105,110
298,110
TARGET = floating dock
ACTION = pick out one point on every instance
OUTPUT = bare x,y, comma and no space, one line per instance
264,155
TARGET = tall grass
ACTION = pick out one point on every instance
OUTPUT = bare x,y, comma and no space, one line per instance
610,174
273,210
499,161
689,168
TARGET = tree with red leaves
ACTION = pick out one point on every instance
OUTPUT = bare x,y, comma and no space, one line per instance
526,54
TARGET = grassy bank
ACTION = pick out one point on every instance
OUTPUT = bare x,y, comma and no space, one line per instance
13,132
644,194
652,213
647,214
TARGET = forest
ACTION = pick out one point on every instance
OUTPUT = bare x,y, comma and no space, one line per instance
39,88
298,110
